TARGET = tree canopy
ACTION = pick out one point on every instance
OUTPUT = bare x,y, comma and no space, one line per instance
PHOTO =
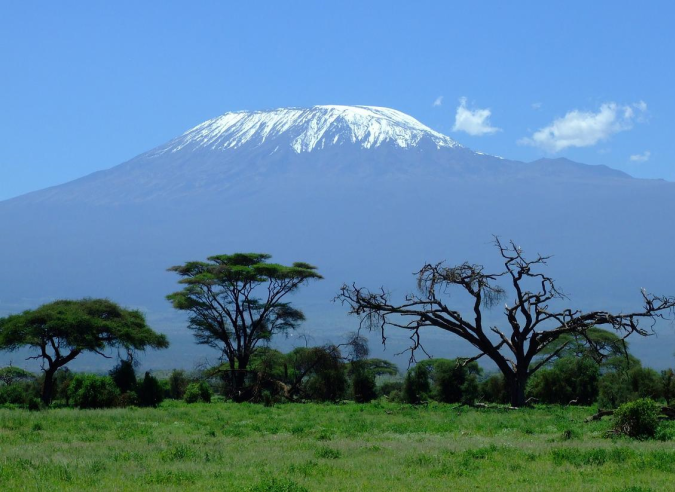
236,302
533,321
62,330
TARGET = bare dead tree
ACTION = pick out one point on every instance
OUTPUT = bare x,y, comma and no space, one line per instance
531,323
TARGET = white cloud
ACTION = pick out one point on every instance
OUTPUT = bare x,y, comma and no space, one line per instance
644,157
474,122
536,105
585,128
438,101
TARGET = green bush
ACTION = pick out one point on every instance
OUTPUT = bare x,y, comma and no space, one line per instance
198,392
638,419
416,386
13,395
625,385
388,387
150,391
494,389
91,391
124,376
363,385
569,378
454,382
178,383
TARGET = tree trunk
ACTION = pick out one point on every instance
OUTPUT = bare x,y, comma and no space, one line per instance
48,386
240,381
517,386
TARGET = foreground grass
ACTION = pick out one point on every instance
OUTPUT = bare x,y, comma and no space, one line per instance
323,447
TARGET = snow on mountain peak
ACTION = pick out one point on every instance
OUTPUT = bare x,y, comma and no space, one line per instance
310,129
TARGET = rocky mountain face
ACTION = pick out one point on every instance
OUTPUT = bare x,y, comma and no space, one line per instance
367,194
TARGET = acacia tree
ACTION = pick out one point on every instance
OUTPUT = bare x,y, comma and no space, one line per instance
235,303
532,324
62,330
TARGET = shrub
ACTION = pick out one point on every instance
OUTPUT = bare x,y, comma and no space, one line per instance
178,383
454,382
124,376
363,385
91,391
35,404
128,399
623,386
416,384
570,378
150,391
13,395
638,419
388,387
494,389
198,392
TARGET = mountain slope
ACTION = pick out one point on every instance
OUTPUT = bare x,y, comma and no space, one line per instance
367,194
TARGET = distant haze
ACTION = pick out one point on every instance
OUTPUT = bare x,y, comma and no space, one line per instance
366,194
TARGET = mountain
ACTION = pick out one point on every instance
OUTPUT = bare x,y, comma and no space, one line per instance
367,194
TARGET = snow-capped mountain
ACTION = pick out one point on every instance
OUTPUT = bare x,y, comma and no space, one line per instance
305,130
367,194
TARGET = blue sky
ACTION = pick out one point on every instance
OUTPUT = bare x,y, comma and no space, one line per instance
87,85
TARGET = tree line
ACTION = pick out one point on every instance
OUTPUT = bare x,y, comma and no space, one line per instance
237,305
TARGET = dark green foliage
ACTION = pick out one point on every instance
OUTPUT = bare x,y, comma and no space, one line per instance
150,391
61,330
388,387
328,379
14,394
416,386
62,381
494,389
124,376
35,404
363,383
668,385
17,386
235,304
178,383
91,391
638,419
128,399
568,379
380,367
11,375
622,386
595,343
452,381
315,373
198,392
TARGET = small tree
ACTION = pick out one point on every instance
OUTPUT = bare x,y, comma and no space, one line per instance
235,304
124,376
178,383
150,391
91,391
62,330
452,380
532,322
416,387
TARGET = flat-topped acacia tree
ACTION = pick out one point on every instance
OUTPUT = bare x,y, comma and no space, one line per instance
236,302
62,330
532,323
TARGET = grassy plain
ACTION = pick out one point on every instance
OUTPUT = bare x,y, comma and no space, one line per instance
295,447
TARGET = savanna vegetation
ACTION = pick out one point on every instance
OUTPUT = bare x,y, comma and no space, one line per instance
568,402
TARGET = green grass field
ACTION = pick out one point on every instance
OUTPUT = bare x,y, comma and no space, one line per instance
292,447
